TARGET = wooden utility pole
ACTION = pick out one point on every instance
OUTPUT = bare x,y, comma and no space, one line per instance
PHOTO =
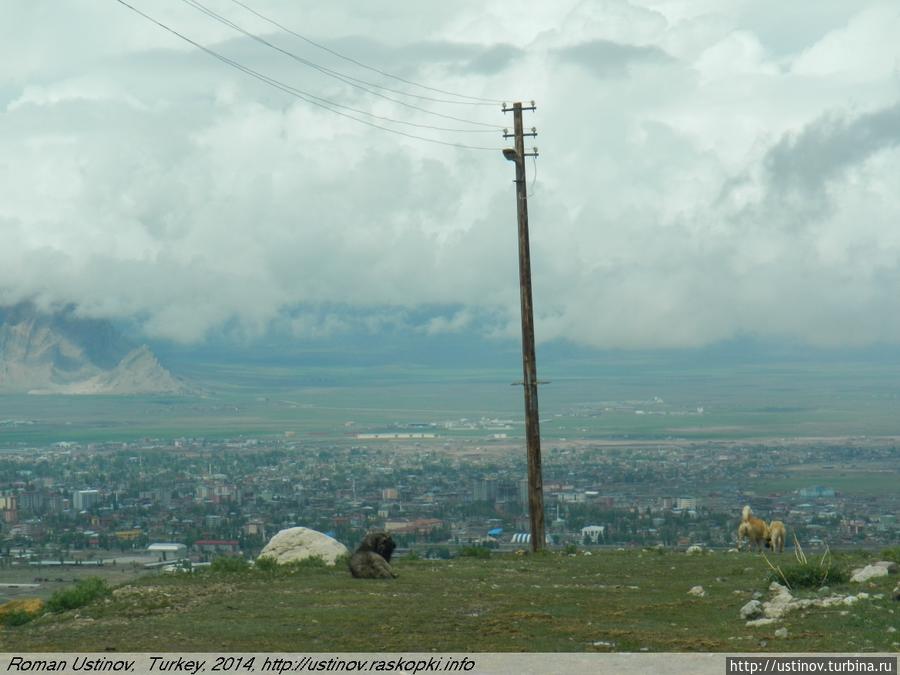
529,363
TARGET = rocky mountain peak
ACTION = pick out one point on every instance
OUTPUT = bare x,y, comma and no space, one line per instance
61,353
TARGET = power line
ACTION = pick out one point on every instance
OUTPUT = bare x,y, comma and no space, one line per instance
476,100
332,73
305,96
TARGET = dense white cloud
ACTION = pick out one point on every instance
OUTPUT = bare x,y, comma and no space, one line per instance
707,169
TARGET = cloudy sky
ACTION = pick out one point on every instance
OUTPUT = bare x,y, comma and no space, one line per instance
708,170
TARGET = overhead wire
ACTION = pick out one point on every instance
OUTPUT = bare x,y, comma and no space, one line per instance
474,100
306,96
335,74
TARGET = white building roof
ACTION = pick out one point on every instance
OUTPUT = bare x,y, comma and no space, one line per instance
166,548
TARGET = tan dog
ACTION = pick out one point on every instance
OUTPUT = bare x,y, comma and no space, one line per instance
775,536
752,529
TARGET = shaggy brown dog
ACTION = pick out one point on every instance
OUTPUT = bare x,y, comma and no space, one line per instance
751,528
775,536
372,558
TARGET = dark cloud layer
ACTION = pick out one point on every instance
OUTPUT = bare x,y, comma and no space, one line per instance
610,59
826,148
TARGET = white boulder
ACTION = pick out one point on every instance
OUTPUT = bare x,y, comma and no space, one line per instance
780,604
299,543
694,550
760,622
698,591
868,572
751,610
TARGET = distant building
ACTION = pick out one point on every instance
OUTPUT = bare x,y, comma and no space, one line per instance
525,538
255,528
82,500
817,491
686,503
417,526
165,551
485,490
594,533
221,546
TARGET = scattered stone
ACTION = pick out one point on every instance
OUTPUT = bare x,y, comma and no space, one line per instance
891,629
868,572
733,550
751,610
851,600
862,596
825,590
760,622
757,595
780,604
889,565
299,543
698,591
694,550
781,633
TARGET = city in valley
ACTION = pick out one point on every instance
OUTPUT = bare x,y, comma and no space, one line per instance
144,504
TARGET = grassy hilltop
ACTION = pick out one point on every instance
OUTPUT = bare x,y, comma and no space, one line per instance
609,601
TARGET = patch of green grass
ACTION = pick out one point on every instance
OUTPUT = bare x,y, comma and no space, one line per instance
271,567
631,600
229,565
474,552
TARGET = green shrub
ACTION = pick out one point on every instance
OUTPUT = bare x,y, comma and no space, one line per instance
474,552
413,555
266,564
228,565
17,617
811,573
570,549
892,554
314,562
82,593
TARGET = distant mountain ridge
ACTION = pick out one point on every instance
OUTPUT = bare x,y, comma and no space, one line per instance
60,353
